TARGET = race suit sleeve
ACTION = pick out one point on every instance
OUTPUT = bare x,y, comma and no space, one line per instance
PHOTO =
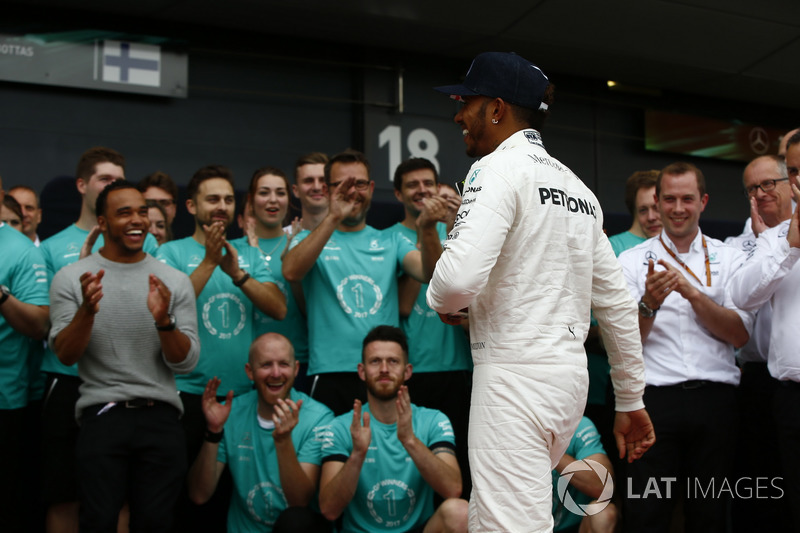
474,244
617,315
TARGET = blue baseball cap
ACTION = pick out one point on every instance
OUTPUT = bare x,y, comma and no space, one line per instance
503,75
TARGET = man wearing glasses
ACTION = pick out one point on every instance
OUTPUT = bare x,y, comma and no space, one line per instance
349,274
768,283
766,186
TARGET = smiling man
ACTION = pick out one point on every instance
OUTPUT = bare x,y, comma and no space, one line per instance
311,189
349,274
130,445
231,283
689,328
271,439
528,257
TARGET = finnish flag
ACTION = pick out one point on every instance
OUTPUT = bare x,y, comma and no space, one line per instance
133,63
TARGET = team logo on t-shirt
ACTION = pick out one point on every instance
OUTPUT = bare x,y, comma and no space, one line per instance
391,502
224,315
359,295
265,502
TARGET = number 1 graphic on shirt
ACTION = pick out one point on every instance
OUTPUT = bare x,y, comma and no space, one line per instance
224,309
391,504
358,292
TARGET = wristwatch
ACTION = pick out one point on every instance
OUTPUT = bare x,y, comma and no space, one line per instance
168,327
4,294
645,311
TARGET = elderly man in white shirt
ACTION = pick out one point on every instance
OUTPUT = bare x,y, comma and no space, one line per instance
771,277
689,328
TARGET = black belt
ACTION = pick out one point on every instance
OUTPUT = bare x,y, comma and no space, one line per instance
789,384
139,402
691,384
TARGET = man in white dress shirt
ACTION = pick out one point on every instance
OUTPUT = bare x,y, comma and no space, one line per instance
689,328
771,276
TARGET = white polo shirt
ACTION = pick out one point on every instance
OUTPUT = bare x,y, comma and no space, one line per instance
678,347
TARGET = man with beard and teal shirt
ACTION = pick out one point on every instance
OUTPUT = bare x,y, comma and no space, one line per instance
270,438
230,282
439,352
380,472
349,273
97,168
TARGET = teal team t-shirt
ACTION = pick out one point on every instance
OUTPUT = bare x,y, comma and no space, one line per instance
25,275
224,317
60,250
433,346
623,241
391,494
585,442
351,289
293,326
249,451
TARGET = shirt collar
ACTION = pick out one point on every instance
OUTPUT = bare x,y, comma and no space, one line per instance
695,246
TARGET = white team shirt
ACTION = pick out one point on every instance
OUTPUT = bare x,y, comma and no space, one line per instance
678,347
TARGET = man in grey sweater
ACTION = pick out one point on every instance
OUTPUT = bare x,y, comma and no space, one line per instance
132,323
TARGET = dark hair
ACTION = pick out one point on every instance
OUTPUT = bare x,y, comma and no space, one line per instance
410,165
9,202
94,156
676,169
263,171
155,204
314,158
386,334
794,139
162,181
102,198
535,118
348,156
641,179
206,173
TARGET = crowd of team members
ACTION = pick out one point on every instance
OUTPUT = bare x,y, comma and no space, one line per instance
302,404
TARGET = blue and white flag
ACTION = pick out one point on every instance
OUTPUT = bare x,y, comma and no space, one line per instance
133,63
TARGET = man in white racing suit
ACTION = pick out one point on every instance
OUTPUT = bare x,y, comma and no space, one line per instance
528,256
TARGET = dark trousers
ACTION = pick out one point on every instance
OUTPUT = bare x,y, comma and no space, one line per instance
338,390
695,425
450,393
787,421
136,455
212,515
755,459
12,511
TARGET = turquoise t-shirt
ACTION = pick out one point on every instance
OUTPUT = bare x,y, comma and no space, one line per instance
249,451
585,442
622,241
433,346
60,250
351,289
224,316
25,275
293,326
391,494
